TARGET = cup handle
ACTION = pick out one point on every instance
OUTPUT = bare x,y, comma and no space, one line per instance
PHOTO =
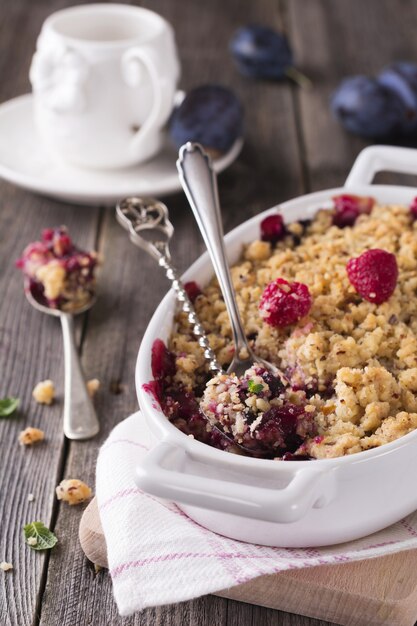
133,62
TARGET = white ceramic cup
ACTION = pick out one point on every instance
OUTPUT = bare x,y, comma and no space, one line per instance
104,78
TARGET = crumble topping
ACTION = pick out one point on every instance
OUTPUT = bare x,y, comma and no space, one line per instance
44,392
30,435
93,386
6,566
73,491
353,362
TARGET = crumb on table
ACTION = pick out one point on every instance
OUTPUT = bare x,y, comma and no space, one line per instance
5,566
73,491
30,435
93,386
44,392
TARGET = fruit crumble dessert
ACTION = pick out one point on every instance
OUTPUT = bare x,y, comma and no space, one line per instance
60,275
332,303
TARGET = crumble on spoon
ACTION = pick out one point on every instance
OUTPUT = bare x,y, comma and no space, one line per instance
60,275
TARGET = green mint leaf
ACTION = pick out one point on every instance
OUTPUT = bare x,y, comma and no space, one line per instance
255,387
38,537
8,406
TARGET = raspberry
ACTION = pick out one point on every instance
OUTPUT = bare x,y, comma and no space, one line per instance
283,303
58,240
192,289
162,361
348,208
413,208
374,275
272,228
47,234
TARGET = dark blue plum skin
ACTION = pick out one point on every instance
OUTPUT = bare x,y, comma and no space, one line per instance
261,52
211,115
368,109
401,79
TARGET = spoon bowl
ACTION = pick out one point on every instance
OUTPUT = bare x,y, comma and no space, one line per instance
56,312
80,418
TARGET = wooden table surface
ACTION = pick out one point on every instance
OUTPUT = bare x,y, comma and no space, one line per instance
292,146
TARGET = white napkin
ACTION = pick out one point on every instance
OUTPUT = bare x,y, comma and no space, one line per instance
157,555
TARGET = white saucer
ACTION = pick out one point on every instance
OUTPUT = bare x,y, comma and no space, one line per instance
25,162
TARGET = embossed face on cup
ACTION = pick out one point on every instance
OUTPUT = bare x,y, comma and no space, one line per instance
104,79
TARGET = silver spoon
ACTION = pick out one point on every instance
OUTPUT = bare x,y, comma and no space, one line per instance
80,418
199,181
148,224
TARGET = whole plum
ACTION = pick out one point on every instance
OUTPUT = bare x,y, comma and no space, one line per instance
261,52
367,108
211,115
401,79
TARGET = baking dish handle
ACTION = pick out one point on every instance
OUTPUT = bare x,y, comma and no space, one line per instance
310,487
375,159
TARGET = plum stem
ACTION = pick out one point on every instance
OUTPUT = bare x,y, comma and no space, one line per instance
298,77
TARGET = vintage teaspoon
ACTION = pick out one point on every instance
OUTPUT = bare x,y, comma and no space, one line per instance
199,181
80,418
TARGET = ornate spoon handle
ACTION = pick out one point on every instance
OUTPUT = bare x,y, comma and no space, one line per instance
188,308
147,214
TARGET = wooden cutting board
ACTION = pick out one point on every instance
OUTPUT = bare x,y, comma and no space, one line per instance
365,593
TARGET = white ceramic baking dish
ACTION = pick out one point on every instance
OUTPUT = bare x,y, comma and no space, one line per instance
287,504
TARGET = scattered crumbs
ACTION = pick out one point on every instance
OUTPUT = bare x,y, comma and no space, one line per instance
6,566
30,435
191,436
97,568
73,491
31,497
44,392
93,386
31,541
